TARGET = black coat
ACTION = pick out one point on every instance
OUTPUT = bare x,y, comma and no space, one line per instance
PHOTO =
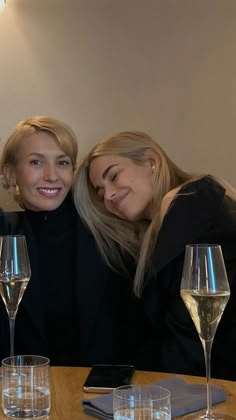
201,213
106,308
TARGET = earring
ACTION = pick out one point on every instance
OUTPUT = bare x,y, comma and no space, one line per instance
153,168
12,187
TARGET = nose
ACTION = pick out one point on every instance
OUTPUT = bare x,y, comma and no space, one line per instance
50,172
109,192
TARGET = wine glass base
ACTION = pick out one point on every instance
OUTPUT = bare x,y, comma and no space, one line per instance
218,417
195,416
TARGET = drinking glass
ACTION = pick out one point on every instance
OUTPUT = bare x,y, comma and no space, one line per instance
146,402
14,276
205,292
26,386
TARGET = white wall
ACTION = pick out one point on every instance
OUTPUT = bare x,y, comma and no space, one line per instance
167,67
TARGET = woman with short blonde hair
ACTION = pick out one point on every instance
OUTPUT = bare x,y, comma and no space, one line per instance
54,318
61,132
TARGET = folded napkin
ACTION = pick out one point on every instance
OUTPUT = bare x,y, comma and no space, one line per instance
185,398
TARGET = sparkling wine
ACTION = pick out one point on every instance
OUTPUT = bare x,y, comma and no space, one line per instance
141,414
206,308
12,290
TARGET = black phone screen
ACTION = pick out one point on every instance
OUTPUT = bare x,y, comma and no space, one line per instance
105,378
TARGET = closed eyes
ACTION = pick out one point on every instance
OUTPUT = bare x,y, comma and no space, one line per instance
110,178
113,177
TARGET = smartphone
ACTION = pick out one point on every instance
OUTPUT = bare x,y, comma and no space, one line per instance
105,378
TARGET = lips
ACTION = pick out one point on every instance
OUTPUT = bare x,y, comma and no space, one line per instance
49,192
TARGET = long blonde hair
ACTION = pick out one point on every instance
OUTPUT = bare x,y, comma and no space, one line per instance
62,133
116,237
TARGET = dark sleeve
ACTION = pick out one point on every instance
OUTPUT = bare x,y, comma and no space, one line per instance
224,346
189,219
181,347
200,214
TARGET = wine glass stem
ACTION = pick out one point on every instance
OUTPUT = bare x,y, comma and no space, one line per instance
207,345
12,334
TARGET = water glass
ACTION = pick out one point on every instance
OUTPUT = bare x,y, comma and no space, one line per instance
146,402
26,386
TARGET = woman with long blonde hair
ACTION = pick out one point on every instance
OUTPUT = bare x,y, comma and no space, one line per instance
138,203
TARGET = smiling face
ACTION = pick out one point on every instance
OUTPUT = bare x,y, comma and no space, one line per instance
43,172
125,186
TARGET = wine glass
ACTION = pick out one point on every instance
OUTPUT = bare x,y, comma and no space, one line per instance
205,292
14,276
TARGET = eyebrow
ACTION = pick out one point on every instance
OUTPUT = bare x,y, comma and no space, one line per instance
107,170
43,156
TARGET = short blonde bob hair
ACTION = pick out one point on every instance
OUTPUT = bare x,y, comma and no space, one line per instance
62,133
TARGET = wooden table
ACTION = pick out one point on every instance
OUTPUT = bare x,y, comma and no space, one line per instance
67,394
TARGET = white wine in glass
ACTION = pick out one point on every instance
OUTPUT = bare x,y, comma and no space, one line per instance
15,273
205,292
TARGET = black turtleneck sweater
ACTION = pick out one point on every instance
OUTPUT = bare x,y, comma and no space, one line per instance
54,233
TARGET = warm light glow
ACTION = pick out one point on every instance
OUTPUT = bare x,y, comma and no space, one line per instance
2,4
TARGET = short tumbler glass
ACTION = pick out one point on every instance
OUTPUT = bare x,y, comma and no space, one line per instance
146,402
26,386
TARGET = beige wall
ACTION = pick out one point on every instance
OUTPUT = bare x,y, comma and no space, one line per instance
167,67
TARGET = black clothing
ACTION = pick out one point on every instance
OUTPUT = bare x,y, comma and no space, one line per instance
200,213
53,231
74,309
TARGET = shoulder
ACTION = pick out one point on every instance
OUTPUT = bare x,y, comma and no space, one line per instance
206,184
194,215
204,191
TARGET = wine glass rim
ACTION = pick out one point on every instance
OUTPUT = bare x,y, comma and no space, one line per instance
203,245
